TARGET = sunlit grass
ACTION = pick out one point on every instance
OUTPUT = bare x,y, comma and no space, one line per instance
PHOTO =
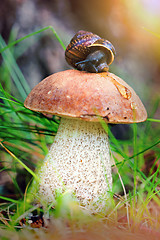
24,140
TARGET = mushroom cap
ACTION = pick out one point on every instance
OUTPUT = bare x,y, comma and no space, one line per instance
87,96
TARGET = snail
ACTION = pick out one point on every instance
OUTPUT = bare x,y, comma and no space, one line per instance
89,52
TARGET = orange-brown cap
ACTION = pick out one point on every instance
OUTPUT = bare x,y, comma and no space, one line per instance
87,96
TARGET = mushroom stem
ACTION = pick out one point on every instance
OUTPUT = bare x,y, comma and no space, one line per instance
78,161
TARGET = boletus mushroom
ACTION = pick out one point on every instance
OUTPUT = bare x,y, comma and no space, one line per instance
79,159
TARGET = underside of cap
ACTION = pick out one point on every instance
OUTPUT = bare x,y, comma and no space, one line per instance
88,96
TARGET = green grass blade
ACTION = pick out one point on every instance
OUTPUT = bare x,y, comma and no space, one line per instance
134,155
153,120
9,199
135,160
15,72
32,34
19,161
153,33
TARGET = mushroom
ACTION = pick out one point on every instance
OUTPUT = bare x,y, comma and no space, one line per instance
79,158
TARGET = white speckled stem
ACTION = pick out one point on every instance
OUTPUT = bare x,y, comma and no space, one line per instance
79,161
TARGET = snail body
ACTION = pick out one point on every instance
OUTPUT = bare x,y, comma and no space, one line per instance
88,52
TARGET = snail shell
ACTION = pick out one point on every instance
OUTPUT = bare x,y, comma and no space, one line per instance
88,52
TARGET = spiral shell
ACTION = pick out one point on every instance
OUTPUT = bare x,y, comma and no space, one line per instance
83,43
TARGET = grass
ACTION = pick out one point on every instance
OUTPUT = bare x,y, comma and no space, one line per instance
24,140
